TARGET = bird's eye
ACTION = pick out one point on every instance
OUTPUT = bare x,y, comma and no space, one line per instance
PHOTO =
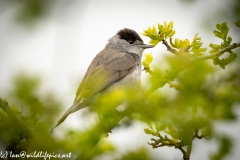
130,41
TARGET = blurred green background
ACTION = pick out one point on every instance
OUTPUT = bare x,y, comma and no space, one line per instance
47,45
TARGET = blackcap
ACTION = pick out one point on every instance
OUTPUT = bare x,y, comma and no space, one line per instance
118,64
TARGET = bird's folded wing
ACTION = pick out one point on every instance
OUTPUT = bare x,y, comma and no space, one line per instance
106,68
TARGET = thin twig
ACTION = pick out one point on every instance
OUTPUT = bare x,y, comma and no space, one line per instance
169,48
171,75
189,150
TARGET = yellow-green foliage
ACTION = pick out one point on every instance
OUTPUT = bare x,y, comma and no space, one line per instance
199,94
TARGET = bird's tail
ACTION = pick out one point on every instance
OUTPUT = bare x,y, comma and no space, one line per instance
75,107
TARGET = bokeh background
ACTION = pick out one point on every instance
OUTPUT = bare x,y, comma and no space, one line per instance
57,39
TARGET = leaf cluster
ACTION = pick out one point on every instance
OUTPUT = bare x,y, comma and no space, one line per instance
25,121
148,58
199,99
164,31
222,33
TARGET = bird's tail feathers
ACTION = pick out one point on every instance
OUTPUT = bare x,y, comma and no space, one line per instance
75,107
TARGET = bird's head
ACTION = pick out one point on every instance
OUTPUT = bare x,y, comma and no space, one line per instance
127,40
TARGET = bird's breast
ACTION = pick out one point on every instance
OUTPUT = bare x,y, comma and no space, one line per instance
132,79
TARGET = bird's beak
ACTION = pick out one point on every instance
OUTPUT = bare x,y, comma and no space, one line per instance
145,46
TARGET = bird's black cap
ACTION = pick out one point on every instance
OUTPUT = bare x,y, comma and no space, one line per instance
129,35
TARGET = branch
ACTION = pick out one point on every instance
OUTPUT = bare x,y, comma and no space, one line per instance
97,132
228,48
165,141
217,54
171,75
212,56
169,48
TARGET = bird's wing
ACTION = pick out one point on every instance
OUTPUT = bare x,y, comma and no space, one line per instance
108,67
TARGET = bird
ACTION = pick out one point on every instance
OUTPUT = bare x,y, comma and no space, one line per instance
118,64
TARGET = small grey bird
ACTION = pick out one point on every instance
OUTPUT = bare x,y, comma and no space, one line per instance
119,63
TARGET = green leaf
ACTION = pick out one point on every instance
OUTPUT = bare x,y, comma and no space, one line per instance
187,137
237,23
160,127
223,62
150,125
171,33
154,42
152,33
222,31
229,40
148,131
180,44
196,46
218,34
217,61
215,48
147,61
202,49
162,32
173,132
206,132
